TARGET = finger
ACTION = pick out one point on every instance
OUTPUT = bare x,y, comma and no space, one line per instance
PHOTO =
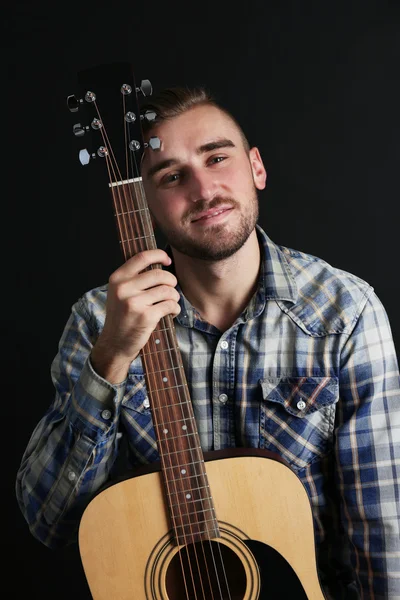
137,263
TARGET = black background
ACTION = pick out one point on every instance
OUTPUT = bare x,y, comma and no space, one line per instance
315,86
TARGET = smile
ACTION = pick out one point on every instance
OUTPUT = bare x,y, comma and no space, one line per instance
213,216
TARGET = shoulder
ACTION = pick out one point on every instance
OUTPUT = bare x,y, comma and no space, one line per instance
330,299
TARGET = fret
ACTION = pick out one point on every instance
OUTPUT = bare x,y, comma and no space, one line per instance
189,533
171,387
178,437
164,370
197,523
195,512
186,402
184,451
130,212
190,502
163,329
202,487
175,421
183,479
195,462
143,237
125,181
169,348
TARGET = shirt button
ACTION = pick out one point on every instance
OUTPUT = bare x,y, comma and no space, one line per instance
71,476
146,402
224,345
223,398
106,414
301,405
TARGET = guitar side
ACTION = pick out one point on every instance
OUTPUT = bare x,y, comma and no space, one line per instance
125,535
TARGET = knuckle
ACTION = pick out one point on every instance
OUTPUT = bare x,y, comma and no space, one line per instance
113,279
118,292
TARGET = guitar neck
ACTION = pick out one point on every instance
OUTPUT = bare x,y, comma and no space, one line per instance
187,491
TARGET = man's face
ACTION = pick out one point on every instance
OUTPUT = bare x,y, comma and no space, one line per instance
203,167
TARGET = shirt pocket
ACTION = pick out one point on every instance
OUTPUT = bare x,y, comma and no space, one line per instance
297,417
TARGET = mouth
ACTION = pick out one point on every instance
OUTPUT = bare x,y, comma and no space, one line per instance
213,216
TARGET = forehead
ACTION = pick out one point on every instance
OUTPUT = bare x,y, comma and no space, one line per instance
190,130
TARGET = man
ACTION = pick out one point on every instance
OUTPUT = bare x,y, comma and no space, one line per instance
281,351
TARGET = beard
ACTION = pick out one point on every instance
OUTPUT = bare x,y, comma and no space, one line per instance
214,242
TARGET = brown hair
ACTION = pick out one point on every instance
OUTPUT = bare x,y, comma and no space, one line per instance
174,101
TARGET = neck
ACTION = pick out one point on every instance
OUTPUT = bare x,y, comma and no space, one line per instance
221,290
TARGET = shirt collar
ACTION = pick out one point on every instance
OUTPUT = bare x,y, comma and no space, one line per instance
276,281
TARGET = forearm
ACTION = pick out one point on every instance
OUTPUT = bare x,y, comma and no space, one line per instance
368,442
69,457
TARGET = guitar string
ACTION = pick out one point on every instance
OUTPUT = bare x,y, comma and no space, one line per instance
127,238
141,202
113,177
110,160
170,330
136,169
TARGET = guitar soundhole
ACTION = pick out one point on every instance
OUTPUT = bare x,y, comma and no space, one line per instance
206,570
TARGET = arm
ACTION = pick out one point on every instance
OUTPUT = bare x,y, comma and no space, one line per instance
368,452
73,448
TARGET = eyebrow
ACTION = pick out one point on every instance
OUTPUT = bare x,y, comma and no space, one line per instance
169,162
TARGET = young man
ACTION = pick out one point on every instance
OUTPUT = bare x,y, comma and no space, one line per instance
281,351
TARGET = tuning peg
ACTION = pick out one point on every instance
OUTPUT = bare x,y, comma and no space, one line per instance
149,115
73,103
154,143
80,130
145,87
85,156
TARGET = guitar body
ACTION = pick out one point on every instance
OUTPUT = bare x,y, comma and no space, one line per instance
265,550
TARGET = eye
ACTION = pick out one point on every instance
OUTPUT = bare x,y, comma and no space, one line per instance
169,178
217,159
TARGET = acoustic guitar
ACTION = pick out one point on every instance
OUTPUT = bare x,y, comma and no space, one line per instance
224,525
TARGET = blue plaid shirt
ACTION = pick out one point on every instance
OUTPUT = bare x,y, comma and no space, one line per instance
308,370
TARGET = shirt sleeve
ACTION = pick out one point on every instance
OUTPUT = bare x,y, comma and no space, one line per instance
368,452
74,446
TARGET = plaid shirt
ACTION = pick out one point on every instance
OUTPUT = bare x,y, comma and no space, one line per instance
308,370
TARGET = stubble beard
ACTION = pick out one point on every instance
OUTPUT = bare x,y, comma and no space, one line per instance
215,242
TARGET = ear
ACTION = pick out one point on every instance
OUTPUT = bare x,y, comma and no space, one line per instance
258,169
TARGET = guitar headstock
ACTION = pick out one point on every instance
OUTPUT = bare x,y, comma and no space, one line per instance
108,119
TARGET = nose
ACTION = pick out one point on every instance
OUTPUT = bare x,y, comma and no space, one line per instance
201,185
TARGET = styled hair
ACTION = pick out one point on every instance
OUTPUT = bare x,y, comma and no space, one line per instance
174,101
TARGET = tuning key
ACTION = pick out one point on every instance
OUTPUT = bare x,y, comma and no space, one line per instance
79,130
154,143
145,87
149,115
74,103
85,156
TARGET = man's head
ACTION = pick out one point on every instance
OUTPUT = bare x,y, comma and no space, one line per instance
205,164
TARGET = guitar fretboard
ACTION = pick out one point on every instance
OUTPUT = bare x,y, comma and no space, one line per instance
187,491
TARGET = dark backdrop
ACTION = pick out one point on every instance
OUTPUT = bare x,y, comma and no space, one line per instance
316,88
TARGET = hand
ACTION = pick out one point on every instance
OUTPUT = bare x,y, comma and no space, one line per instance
136,301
